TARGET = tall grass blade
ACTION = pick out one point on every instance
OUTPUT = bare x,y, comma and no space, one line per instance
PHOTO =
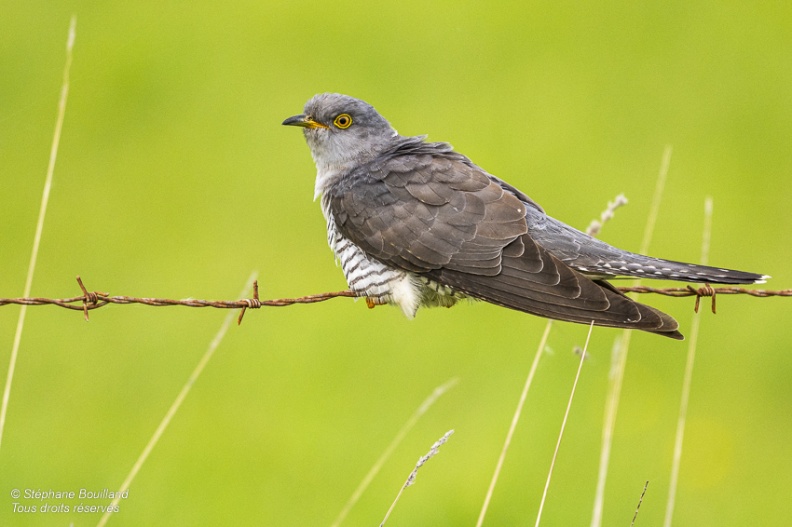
64,95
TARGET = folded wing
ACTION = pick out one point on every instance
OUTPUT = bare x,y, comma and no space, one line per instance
431,211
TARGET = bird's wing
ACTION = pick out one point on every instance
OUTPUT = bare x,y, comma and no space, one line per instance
443,217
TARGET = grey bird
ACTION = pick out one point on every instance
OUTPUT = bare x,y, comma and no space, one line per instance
416,224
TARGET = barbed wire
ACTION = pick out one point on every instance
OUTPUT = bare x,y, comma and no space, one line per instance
94,300
705,290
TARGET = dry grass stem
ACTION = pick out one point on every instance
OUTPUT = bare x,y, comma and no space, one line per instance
657,198
563,426
422,409
595,226
640,501
611,405
515,420
688,378
433,451
64,95
174,407
617,378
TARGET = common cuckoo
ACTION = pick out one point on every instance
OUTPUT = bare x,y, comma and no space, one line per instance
414,223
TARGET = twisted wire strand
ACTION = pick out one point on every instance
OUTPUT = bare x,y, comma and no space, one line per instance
94,300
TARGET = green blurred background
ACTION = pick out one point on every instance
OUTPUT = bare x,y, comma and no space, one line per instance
175,179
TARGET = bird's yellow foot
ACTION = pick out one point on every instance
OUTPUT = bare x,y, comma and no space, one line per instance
373,302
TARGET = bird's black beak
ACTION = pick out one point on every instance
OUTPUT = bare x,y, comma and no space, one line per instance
306,121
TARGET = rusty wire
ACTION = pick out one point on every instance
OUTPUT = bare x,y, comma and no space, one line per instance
94,300
705,291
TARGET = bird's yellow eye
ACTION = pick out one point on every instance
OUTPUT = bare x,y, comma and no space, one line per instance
343,121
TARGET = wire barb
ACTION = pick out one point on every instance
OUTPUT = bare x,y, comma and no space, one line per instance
705,290
92,298
253,303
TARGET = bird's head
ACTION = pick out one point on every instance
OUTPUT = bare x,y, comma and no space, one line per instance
342,132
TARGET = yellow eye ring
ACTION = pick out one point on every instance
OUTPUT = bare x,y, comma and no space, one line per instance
343,121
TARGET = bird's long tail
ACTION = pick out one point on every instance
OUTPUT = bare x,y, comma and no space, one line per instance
599,260
638,266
